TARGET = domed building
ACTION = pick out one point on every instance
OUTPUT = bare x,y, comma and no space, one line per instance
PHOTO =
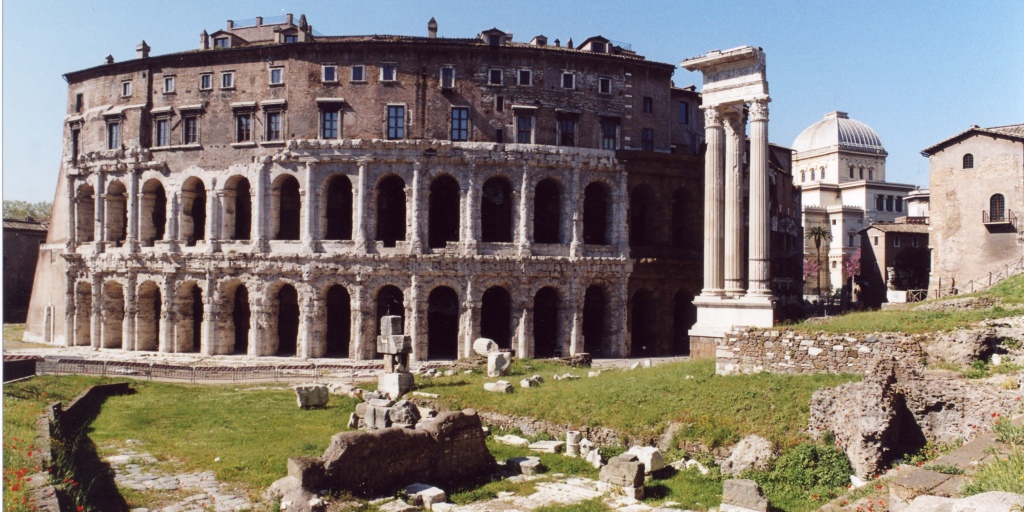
839,166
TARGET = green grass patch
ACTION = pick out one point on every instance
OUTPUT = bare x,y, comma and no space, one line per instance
640,403
909,321
805,477
592,505
689,488
1004,474
13,333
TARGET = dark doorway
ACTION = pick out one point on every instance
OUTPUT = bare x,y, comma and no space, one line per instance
289,208
339,320
595,214
545,323
496,316
390,302
684,315
198,214
240,317
147,328
154,212
287,321
444,212
496,211
644,325
390,211
339,209
682,218
594,321
547,213
197,318
442,324
243,210
641,225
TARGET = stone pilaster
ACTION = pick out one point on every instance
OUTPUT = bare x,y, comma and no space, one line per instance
96,322
309,208
576,215
714,203
210,335
99,217
259,213
760,278
522,234
168,314
416,244
359,228
735,128
412,320
129,337
132,223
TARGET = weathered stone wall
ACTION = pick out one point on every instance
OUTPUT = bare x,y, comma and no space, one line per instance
531,426
751,351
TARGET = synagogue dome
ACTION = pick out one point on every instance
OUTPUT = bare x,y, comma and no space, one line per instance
838,131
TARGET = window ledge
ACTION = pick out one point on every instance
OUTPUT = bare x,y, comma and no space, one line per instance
357,81
176,147
249,144
276,85
272,143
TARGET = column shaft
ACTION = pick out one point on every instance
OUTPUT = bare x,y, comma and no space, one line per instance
714,203
359,228
416,246
760,269
734,142
309,231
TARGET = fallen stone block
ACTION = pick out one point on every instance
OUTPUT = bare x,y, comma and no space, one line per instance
425,495
636,493
512,440
397,506
752,452
650,457
498,364
931,504
311,396
547,446
740,495
528,383
394,385
525,465
994,501
404,413
501,386
594,458
623,471
484,346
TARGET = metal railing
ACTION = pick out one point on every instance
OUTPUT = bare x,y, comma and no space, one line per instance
1009,218
149,371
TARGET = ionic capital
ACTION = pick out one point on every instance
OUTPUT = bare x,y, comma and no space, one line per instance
759,109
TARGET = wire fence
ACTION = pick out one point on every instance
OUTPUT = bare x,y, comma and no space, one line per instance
980,283
150,371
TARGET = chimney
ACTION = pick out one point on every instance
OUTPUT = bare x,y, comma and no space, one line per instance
303,25
288,19
110,59
558,43
259,21
432,28
568,43
204,41
142,50
231,24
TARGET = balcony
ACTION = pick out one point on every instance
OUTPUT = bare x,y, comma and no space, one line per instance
999,223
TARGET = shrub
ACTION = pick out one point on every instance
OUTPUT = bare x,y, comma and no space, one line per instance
808,472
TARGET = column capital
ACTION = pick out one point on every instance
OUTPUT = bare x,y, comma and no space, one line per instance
735,124
712,116
759,109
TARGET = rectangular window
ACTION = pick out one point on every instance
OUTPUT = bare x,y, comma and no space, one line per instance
291,38
647,140
190,130
568,80
359,73
460,123
604,85
447,77
227,80
684,113
79,102
276,76
876,241
851,242
609,134
161,132
524,129
388,72
168,84
205,82
648,105
396,122
494,76
330,74
567,131
329,124
524,77
499,104
243,127
899,204
75,141
114,135
274,125
126,88
499,136
851,172
888,203
220,42
895,240
880,202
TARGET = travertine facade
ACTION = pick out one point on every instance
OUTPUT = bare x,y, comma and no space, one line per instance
276,193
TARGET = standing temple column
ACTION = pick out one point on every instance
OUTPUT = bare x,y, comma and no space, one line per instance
734,142
759,272
309,231
714,203
359,229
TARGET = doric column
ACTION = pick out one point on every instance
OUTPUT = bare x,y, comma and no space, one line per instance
168,315
211,325
70,310
212,215
714,203
131,311
359,215
416,243
412,321
735,128
619,312
357,337
472,215
99,218
310,336
524,335
257,324
760,269
96,323
575,319
576,203
259,211
132,236
309,230
522,234
620,224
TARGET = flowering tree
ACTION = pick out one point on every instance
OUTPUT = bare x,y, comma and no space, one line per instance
811,268
851,264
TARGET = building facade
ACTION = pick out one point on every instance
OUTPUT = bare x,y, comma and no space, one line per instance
276,192
22,238
976,180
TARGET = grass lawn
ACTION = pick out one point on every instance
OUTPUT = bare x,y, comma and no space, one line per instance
12,338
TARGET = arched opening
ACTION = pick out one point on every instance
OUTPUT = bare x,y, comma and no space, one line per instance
116,210
240,318
547,213
285,208
85,215
390,302
594,321
546,323
83,314
968,161
997,208
237,216
442,324
390,211
595,214
496,316
641,216
496,211
338,209
113,314
684,315
644,323
147,320
193,211
154,212
287,321
443,226
338,334
684,218
190,318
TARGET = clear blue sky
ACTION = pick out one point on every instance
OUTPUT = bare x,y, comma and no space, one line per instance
916,72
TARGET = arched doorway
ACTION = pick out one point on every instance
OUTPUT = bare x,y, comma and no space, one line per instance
189,327
85,215
546,323
240,317
237,217
443,226
684,219
153,220
594,321
116,210
113,315
442,324
496,211
390,211
147,320
338,334
644,324
338,209
390,302
547,213
285,208
287,321
83,314
595,214
496,316
641,225
684,315
193,211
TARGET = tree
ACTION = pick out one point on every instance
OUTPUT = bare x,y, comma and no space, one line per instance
818,233
851,265
21,210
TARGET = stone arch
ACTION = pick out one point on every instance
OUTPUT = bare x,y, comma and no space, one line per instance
285,208
443,211
113,314
641,216
85,214
337,333
596,317
83,313
596,212
685,219
237,214
147,320
496,207
337,208
153,220
496,316
442,323
547,212
285,312
390,213
189,328
684,315
116,210
193,211
644,324
390,301
236,317
546,322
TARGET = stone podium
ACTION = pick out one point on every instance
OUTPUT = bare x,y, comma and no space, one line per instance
396,380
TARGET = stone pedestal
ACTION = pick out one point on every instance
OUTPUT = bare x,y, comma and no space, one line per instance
716,315
394,385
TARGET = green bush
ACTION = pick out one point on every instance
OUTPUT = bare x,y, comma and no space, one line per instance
805,475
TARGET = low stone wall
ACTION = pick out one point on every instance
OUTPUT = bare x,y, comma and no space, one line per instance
66,421
600,436
19,367
752,351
